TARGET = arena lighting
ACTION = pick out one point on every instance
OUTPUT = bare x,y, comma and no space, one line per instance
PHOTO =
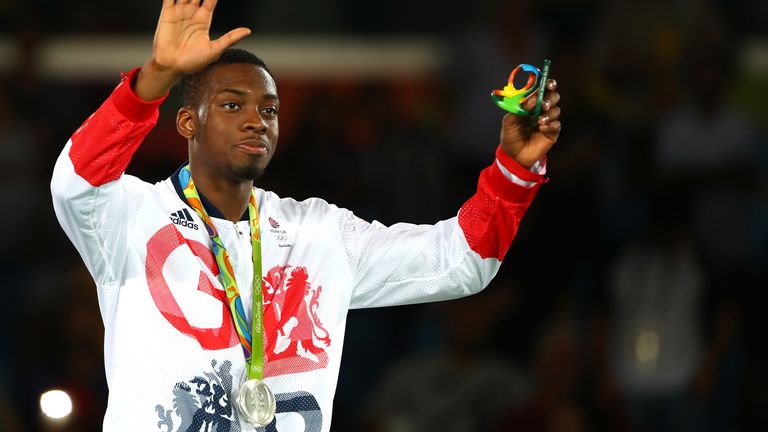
89,57
56,404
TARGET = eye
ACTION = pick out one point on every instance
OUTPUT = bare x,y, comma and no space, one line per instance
231,106
271,111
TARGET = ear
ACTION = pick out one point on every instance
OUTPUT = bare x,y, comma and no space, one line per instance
185,123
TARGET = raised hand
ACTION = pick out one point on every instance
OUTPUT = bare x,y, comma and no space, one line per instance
526,142
182,45
182,40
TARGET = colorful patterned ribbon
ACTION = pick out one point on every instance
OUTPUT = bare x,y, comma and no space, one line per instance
253,340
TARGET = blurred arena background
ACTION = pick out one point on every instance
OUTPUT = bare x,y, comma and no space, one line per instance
630,300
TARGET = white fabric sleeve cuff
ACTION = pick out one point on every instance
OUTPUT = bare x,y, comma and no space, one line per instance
537,168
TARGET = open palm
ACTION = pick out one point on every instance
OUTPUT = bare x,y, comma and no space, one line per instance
182,41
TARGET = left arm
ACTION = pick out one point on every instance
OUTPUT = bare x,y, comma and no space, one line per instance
406,263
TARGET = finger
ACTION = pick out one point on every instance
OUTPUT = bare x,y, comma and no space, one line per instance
530,101
182,1
168,3
551,115
551,84
552,129
230,38
543,140
210,4
550,100
194,2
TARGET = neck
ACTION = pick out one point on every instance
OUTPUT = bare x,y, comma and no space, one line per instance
230,196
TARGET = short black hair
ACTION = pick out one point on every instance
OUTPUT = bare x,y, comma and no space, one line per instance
189,87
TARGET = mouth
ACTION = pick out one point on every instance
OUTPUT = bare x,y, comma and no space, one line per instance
253,146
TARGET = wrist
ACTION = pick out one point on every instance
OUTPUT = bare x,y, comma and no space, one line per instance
517,157
155,80
525,163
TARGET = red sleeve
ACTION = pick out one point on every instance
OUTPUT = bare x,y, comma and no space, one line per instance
103,146
491,217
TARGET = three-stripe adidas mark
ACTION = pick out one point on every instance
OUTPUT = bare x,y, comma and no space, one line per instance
183,218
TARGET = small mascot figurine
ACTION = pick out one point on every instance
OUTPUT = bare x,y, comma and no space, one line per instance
511,98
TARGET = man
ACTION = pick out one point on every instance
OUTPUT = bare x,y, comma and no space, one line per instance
197,338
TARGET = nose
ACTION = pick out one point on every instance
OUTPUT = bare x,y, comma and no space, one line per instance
255,122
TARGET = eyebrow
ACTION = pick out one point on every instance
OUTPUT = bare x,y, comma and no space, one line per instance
241,92
237,91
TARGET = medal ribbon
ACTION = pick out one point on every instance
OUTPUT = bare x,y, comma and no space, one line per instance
251,340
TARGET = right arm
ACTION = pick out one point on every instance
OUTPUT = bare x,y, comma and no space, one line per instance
88,188
89,195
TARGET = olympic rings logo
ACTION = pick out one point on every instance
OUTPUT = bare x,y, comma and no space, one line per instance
281,237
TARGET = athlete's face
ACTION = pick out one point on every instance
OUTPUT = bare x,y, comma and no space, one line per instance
234,130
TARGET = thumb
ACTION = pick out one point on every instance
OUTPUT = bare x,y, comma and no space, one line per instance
511,119
230,38
516,127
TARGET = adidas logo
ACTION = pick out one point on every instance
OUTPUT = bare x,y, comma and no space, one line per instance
183,218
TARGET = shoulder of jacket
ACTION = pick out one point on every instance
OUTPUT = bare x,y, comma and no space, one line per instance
290,206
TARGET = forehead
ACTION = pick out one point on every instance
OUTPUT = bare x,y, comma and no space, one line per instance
248,77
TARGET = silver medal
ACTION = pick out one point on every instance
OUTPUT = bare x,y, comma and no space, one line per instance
256,403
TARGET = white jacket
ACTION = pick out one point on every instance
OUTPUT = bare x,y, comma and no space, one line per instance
173,361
